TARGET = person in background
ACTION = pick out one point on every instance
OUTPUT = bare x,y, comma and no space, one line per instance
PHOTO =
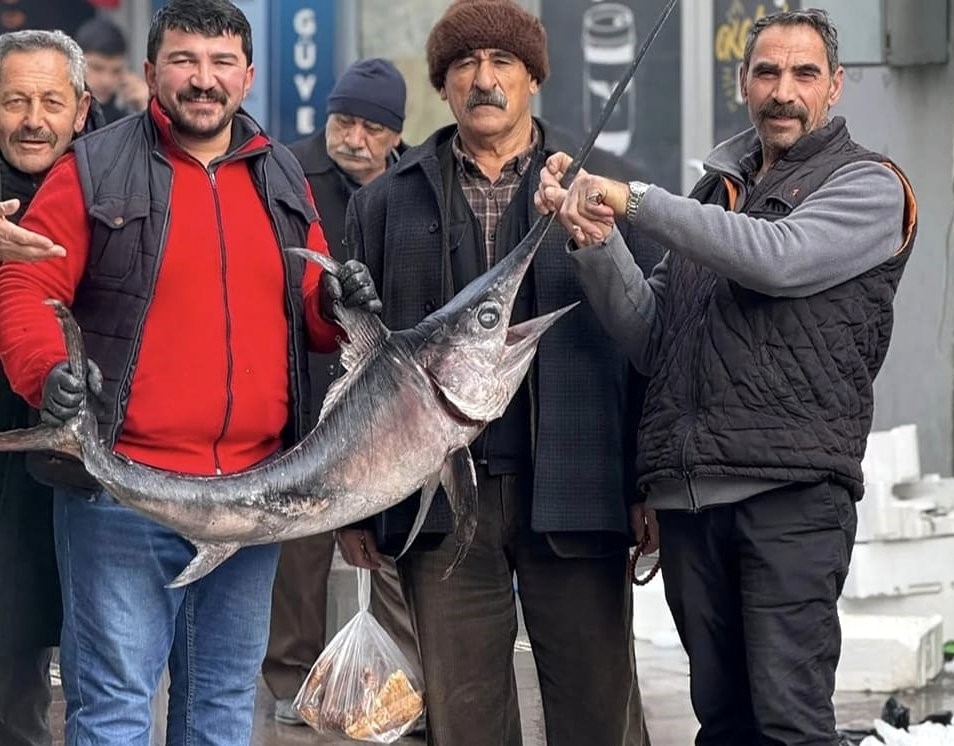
66,15
554,473
43,106
197,325
763,329
361,138
118,90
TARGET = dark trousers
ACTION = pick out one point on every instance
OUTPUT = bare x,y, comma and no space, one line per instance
25,698
299,610
753,588
578,614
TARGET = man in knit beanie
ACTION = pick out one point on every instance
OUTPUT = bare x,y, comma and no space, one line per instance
361,138
553,473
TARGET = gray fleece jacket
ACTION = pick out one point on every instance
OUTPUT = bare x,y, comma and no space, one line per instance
851,224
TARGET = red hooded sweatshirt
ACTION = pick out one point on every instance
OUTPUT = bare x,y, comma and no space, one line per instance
211,384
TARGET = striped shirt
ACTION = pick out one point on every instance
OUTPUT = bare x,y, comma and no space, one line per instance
489,200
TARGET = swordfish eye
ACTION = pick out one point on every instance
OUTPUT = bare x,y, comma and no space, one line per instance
488,314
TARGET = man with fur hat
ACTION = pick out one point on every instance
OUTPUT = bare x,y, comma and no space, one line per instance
554,473
361,138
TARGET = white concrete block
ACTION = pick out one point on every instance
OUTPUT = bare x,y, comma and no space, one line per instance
902,578
892,455
887,653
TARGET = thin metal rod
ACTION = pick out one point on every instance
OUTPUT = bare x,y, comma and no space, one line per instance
542,224
610,104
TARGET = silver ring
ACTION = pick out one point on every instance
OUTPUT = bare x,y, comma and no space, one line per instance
595,199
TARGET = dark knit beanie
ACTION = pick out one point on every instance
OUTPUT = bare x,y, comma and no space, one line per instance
486,24
372,89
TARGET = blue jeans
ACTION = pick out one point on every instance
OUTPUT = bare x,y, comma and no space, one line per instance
121,626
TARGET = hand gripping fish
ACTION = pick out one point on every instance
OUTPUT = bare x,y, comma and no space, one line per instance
399,420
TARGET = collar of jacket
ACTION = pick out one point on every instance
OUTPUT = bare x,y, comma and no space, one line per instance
322,163
727,157
551,140
15,183
246,135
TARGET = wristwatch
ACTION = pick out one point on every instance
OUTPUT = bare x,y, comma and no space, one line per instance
637,190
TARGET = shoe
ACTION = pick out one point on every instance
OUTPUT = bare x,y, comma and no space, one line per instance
286,714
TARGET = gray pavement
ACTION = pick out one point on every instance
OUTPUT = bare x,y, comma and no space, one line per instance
663,676
664,683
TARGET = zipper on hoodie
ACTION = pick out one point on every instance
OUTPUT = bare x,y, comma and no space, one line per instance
229,362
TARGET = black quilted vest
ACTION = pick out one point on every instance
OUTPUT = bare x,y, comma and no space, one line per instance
126,185
749,385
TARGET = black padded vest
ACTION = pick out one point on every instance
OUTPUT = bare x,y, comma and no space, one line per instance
126,184
749,385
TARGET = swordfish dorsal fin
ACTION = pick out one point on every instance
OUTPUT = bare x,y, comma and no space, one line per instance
364,330
366,334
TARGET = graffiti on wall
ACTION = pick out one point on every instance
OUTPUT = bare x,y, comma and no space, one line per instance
733,19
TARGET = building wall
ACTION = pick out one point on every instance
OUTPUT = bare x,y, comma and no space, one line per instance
908,114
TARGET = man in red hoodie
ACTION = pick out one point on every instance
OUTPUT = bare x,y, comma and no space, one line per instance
173,222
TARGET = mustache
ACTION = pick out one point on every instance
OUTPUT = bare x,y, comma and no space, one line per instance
486,98
352,152
774,109
34,134
202,94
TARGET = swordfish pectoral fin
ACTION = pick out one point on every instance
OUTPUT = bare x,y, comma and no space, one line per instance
207,558
460,483
427,497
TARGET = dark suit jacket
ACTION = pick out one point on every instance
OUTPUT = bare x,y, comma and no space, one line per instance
331,193
30,608
30,605
587,395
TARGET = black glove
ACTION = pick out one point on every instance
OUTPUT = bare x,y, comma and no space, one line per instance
63,392
354,288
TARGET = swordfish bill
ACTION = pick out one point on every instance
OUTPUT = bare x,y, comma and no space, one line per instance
399,419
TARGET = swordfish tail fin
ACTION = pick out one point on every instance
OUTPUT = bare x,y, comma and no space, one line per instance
75,349
42,438
62,439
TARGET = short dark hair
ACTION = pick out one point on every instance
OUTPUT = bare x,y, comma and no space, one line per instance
101,36
209,18
817,18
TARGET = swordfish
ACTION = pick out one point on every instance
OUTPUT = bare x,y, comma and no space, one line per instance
400,419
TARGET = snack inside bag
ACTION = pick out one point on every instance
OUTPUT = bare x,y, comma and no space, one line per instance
362,686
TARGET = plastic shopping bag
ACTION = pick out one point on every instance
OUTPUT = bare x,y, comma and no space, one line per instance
362,685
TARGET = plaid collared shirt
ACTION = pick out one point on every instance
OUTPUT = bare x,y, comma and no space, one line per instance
487,199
